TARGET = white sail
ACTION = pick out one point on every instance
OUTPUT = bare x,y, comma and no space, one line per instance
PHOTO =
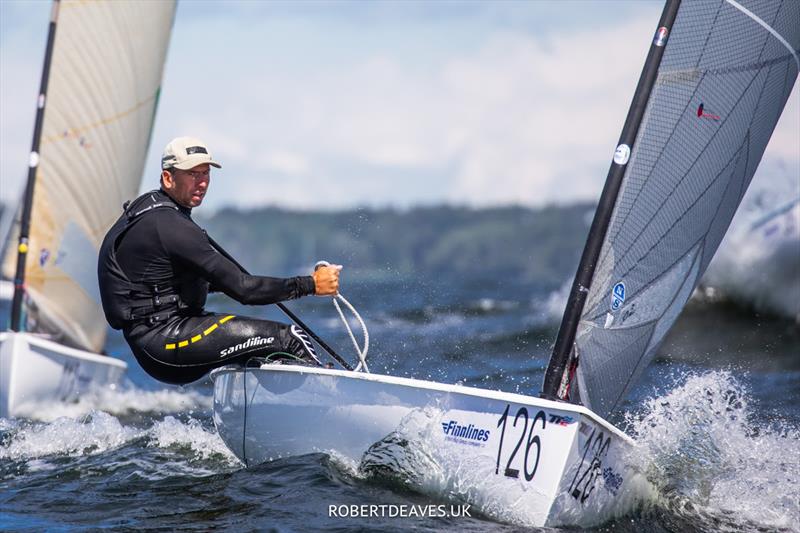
105,76
727,71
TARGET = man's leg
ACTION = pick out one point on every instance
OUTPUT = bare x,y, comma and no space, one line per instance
185,348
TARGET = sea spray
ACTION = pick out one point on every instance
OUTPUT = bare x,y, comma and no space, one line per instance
91,434
119,401
180,446
715,459
758,261
203,443
556,302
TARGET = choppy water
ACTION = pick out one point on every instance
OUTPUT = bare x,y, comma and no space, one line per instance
716,418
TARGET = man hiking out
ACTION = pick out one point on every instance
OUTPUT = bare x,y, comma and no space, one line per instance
156,267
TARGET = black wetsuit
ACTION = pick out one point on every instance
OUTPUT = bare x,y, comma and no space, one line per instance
178,342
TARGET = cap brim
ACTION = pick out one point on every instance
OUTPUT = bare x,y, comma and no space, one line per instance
190,163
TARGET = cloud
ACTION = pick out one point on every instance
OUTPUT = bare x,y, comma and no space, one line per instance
284,162
515,119
318,111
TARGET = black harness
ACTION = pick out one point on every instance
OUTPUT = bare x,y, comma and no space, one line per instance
124,301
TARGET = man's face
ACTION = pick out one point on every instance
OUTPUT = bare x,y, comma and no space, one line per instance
187,187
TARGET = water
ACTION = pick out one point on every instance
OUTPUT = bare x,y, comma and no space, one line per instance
716,419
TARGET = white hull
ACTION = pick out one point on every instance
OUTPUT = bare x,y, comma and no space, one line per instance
518,458
35,371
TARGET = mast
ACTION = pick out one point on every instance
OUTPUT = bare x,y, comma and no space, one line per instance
561,358
33,165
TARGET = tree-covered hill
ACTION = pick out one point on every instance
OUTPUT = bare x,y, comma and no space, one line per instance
540,245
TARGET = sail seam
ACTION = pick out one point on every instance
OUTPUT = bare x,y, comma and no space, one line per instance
657,278
702,53
714,72
103,122
732,163
646,119
631,168
622,393
687,173
767,27
736,155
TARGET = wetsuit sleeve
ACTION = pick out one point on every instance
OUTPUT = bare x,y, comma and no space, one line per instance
188,246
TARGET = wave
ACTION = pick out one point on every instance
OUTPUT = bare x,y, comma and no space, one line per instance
123,400
717,461
181,446
116,425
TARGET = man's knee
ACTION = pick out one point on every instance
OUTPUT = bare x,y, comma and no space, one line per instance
302,346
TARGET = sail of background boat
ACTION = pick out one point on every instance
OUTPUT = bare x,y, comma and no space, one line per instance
722,84
104,80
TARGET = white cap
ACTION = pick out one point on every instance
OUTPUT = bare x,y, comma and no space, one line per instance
185,153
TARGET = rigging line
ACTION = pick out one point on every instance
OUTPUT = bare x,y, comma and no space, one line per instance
767,27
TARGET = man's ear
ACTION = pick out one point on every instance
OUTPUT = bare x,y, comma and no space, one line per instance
167,180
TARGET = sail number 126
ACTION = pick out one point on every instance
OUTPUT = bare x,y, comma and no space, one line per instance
533,444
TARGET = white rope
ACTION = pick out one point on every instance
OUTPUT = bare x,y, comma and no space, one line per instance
362,352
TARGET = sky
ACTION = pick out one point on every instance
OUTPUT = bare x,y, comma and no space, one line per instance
331,105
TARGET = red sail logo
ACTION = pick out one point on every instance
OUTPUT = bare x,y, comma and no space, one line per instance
702,113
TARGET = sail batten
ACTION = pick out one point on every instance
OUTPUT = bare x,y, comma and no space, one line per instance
722,83
103,84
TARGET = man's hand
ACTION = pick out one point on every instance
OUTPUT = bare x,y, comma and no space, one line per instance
326,280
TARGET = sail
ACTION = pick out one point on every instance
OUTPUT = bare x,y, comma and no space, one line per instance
726,72
106,69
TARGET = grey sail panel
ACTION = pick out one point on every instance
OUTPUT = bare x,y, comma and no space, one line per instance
721,87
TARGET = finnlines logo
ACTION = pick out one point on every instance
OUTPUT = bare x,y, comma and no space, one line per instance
249,343
477,436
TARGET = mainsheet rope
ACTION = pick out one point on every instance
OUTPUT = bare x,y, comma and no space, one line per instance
361,351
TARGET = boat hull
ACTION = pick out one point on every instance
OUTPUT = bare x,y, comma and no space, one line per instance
34,371
515,458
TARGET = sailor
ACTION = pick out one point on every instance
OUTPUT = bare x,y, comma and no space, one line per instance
157,266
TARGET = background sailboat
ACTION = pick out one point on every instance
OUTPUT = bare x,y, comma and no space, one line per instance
100,86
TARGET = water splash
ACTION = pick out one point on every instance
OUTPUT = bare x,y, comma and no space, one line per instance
717,460
758,261
404,456
203,443
556,302
119,401
94,433
191,447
